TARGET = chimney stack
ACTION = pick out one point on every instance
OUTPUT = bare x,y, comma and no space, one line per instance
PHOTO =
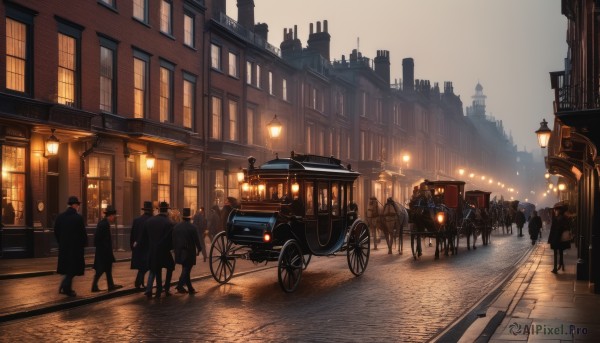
382,65
291,45
319,41
408,74
262,30
219,6
246,13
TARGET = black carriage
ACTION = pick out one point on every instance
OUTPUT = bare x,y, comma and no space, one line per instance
477,214
293,208
436,211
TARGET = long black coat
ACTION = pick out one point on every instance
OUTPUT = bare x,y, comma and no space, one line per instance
158,235
559,224
139,253
104,257
535,225
186,243
69,230
520,219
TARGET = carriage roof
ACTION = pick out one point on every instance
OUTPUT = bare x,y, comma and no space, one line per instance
305,167
481,199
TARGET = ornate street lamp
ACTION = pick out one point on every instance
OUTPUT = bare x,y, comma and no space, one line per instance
274,127
52,145
150,160
543,134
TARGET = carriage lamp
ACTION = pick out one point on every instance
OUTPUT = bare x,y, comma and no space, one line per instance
267,237
295,187
441,217
240,175
543,134
261,190
52,145
245,186
439,190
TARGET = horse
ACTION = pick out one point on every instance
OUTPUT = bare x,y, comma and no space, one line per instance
395,218
470,224
375,221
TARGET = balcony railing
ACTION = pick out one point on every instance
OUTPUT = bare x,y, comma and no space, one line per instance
572,97
247,35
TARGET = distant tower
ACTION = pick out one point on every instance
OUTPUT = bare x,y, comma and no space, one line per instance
478,108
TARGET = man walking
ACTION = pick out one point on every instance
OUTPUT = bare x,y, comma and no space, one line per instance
158,235
200,224
520,220
186,244
139,251
104,258
69,230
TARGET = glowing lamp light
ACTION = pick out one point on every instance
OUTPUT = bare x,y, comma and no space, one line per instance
441,217
240,176
150,160
561,186
267,237
550,186
543,134
245,186
274,127
472,175
295,188
547,176
52,145
461,171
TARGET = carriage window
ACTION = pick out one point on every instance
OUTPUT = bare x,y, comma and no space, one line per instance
309,199
335,200
275,191
323,197
451,196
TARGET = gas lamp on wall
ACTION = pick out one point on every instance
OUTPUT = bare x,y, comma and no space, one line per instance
150,161
274,127
52,145
543,134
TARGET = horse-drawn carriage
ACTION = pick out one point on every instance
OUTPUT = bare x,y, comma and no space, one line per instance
293,208
476,216
435,211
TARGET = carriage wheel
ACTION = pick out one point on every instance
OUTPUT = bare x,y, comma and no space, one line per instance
289,266
221,261
358,249
306,260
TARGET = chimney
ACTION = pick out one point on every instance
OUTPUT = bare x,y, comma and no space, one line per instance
408,74
291,45
262,30
448,88
219,6
319,41
382,65
246,13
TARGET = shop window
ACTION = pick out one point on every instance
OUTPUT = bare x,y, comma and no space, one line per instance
13,186
99,187
161,181
190,189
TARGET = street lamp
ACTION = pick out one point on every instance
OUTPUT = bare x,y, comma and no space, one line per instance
406,159
543,134
150,160
461,172
274,127
52,145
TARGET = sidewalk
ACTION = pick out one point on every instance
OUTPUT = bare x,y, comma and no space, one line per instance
539,306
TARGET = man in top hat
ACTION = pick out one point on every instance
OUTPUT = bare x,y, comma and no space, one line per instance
104,258
69,230
157,233
139,251
186,244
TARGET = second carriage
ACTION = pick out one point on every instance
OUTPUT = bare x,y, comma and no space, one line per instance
477,215
293,208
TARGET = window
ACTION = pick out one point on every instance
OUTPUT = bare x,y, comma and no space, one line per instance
271,83
110,3
140,84
363,142
13,185
99,187
249,73
219,187
379,111
363,108
190,189
250,113
284,94
108,82
17,64
215,56
216,116
189,89
258,76
161,181
314,99
233,65
339,104
308,140
67,69
233,120
188,30
396,114
166,94
166,25
140,10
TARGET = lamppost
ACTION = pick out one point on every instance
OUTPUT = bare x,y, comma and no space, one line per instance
274,128
543,134
406,159
52,145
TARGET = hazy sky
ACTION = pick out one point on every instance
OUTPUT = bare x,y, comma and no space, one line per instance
509,46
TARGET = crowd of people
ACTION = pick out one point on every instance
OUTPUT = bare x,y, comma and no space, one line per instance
157,242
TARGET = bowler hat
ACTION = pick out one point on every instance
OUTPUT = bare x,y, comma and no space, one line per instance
186,213
147,205
73,200
110,209
163,206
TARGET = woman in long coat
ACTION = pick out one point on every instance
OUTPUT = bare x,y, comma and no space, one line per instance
560,224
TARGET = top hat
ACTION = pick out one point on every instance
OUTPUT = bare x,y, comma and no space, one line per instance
147,206
110,210
186,213
73,200
163,206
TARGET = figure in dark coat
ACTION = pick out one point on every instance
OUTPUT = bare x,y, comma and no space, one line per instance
200,223
157,234
535,226
69,230
104,257
230,204
520,221
186,244
560,224
139,251
214,221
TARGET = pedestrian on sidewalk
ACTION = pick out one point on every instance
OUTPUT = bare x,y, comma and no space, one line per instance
557,236
520,221
139,251
157,233
186,244
201,226
104,257
69,230
535,226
